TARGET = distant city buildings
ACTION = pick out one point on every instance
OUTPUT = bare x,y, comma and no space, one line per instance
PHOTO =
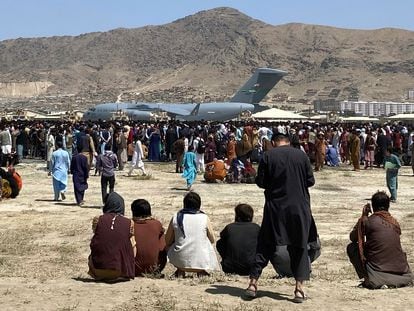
362,108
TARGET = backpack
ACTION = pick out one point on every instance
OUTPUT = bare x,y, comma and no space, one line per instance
201,147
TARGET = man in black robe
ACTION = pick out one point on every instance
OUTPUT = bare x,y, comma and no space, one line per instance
80,174
285,173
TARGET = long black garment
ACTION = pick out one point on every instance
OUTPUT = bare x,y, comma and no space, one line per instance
286,174
80,174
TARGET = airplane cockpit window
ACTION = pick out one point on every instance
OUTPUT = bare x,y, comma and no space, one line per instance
92,109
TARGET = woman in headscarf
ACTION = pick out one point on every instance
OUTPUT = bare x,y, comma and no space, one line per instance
113,243
189,238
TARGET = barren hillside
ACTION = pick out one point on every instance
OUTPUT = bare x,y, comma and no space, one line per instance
213,52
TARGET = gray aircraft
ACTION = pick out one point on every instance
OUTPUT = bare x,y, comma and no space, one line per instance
245,100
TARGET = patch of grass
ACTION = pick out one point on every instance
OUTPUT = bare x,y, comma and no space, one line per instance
69,308
144,177
17,242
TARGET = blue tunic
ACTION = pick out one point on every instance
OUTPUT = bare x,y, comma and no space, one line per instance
391,164
190,167
60,168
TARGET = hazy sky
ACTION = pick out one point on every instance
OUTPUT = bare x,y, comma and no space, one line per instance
39,18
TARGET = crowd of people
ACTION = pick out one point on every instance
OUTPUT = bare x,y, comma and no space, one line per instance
288,155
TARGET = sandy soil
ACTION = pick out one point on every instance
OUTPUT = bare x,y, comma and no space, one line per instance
44,246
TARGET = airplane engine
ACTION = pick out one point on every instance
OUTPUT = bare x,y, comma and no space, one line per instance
140,115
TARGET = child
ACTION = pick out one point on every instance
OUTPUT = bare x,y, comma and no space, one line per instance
391,165
190,167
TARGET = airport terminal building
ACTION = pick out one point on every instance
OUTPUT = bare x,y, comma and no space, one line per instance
362,108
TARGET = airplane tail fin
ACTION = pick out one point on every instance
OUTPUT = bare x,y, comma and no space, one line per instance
256,88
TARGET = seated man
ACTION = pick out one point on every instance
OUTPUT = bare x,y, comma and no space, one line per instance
249,173
238,240
375,251
215,170
332,158
281,259
11,183
235,172
151,254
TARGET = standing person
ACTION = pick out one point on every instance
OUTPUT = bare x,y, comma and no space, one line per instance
121,144
69,141
6,145
80,174
106,165
59,167
105,138
369,150
170,137
21,143
382,145
190,167
231,149
320,151
85,145
286,174
391,165
137,158
200,147
355,149
50,147
178,148
375,251
412,154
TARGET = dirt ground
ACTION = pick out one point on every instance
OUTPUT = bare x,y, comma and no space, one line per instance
44,246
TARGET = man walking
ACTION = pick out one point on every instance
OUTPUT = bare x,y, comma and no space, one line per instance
285,173
80,174
106,165
59,171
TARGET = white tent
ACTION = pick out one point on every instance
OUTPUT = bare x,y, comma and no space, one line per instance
359,119
402,117
277,114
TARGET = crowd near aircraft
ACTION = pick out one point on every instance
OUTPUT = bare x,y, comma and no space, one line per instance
245,100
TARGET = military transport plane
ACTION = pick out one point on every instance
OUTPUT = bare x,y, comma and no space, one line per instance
246,98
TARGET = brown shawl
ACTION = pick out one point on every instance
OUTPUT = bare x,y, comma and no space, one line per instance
386,216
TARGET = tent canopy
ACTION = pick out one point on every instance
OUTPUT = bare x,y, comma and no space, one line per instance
402,116
359,119
278,114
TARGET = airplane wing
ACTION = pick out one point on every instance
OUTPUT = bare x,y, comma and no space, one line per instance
174,109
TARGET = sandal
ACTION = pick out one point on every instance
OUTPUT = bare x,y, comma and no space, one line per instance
299,298
251,293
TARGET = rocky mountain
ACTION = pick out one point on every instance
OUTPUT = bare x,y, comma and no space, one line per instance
213,52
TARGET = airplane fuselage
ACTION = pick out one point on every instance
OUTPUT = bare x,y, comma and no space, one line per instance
185,112
251,93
